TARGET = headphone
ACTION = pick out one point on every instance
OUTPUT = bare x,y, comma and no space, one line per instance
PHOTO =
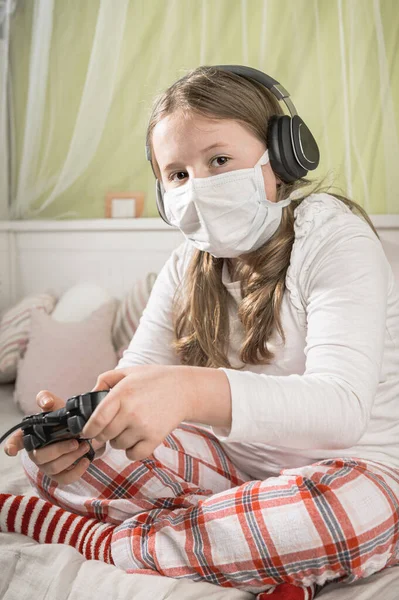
292,148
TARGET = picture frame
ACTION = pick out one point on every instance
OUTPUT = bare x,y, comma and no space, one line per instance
124,205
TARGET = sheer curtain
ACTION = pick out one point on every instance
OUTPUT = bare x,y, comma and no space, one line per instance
92,113
7,7
85,73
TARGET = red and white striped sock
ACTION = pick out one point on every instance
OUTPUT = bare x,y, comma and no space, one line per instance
49,524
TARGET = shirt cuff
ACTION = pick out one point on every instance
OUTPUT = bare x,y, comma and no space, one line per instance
225,433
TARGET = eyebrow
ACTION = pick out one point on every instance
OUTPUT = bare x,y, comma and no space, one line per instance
215,145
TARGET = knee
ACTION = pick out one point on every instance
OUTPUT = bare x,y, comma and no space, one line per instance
341,524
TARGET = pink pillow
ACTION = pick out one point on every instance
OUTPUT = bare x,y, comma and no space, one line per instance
65,358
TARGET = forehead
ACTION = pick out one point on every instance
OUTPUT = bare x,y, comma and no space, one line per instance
178,136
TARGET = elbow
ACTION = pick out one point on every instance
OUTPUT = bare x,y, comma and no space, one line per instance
355,421
347,416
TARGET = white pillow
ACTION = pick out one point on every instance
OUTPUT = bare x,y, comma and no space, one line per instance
80,301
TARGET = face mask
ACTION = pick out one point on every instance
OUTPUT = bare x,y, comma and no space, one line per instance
227,214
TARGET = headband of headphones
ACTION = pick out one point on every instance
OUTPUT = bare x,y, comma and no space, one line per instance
293,151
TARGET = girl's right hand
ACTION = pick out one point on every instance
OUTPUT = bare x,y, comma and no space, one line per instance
55,460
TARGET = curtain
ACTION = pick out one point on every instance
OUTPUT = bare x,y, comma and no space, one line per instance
7,7
85,73
92,110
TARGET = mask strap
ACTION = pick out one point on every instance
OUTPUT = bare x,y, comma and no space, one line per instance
264,159
283,203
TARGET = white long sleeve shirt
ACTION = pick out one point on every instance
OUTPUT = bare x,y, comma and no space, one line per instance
333,389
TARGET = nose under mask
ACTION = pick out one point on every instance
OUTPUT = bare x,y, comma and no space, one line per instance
226,214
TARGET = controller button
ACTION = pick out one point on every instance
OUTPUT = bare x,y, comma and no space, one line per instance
76,424
72,403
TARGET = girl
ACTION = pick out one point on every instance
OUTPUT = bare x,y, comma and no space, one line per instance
276,324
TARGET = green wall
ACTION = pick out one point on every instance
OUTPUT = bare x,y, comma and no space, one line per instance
335,57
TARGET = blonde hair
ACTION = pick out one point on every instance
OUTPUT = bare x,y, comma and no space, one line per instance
200,313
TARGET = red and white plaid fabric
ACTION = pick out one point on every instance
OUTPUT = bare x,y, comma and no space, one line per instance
187,511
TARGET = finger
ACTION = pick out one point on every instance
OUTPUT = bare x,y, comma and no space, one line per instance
141,450
14,443
42,456
96,445
113,430
108,379
124,440
103,415
63,462
48,401
72,473
100,385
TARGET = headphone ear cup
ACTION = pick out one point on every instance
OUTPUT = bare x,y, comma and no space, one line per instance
291,165
273,147
281,153
305,147
159,200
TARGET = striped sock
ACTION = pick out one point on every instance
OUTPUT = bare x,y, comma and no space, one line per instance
49,524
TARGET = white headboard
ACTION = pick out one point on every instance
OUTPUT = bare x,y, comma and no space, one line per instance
39,256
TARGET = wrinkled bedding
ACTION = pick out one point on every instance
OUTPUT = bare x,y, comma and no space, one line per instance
46,571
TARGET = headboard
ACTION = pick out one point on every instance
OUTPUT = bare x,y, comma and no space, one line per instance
39,256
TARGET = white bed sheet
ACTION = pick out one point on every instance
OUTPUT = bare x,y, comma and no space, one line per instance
46,571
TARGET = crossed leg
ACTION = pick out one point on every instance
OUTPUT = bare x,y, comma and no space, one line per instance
186,511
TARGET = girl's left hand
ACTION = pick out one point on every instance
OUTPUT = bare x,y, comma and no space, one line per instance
145,404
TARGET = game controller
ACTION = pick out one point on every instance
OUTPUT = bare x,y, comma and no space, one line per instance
45,428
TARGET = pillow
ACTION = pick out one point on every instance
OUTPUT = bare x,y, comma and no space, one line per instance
64,358
129,313
77,303
14,332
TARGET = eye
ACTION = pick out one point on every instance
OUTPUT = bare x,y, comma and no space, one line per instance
181,175
224,158
171,177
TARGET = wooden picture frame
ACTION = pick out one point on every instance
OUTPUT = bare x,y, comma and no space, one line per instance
124,205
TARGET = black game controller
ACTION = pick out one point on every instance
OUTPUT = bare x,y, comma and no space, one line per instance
45,428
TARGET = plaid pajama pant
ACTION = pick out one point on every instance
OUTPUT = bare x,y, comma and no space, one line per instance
187,511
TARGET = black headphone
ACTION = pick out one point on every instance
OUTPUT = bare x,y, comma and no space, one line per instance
292,148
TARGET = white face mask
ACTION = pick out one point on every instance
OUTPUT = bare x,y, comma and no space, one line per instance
227,214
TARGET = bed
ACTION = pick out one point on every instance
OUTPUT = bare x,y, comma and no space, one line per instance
35,256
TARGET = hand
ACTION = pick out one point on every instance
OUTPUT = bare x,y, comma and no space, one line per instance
55,460
144,405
